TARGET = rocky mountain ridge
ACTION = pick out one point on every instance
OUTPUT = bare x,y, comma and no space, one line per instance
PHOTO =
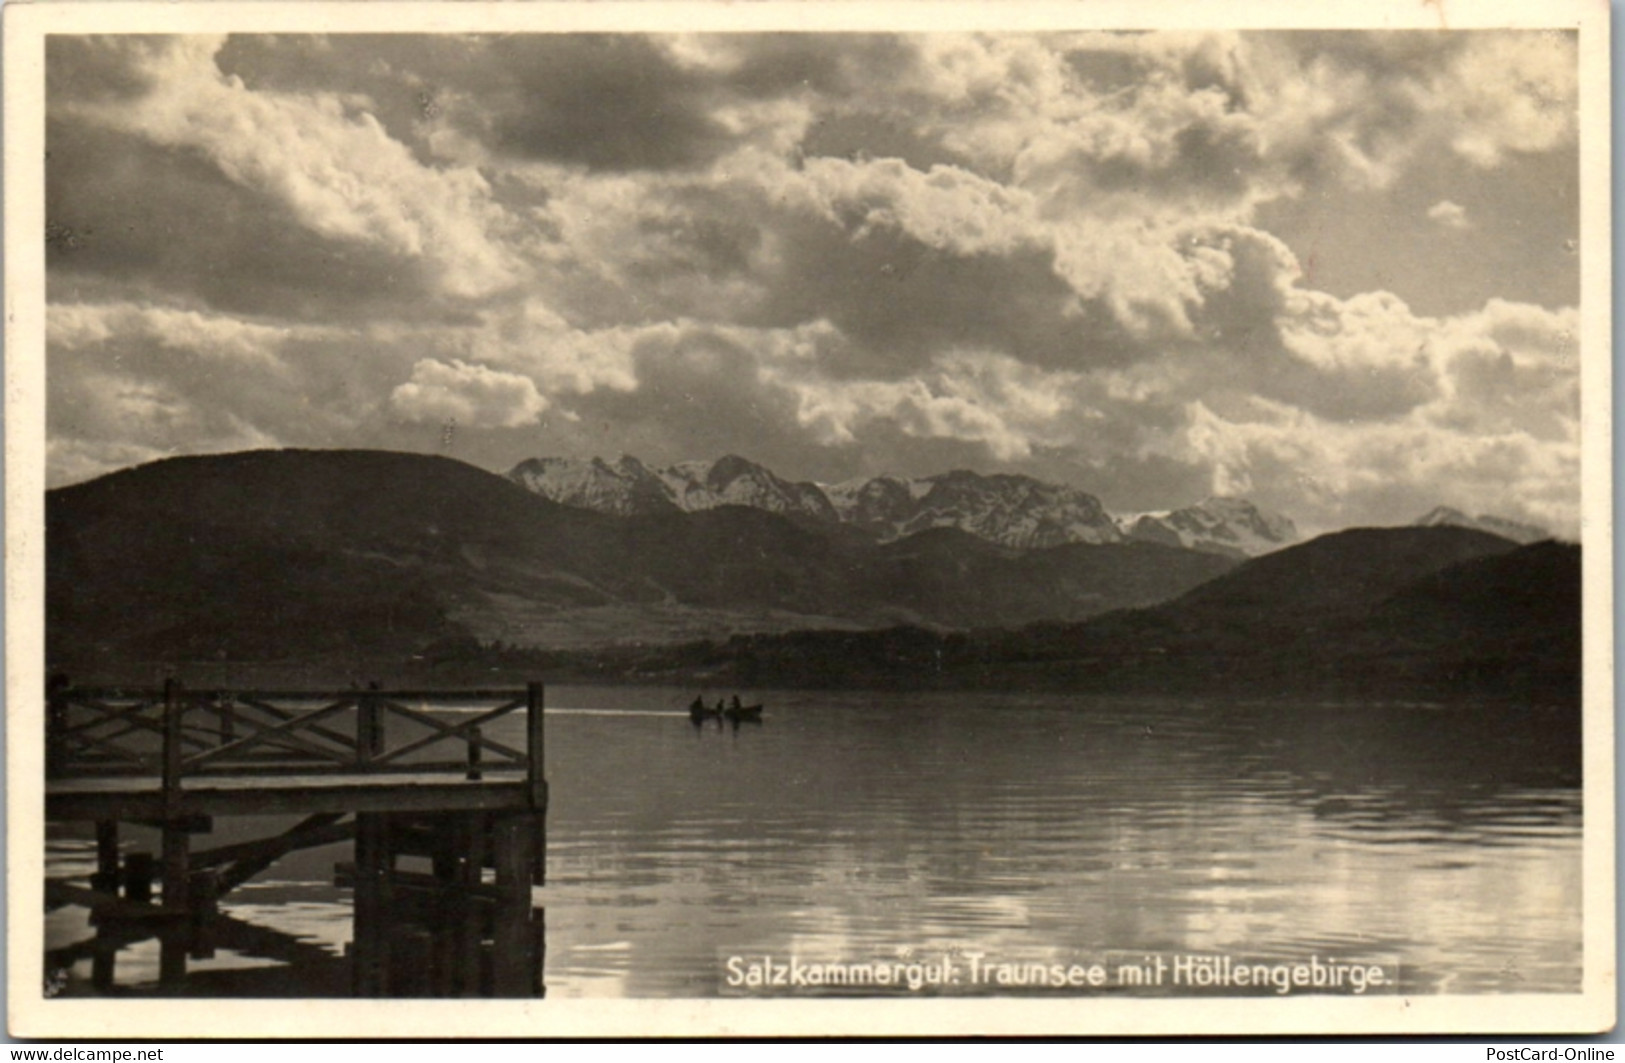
1011,510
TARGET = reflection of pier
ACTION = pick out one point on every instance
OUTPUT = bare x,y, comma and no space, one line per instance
446,851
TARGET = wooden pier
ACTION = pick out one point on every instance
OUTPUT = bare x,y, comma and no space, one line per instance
386,769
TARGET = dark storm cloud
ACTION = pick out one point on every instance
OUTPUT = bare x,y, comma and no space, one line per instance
119,206
835,65
698,393
1108,71
1209,158
859,134
900,301
619,102
97,69
399,75
607,102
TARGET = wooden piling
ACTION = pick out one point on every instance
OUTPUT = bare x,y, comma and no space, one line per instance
513,961
174,720
538,931
412,971
103,962
56,724
536,746
205,893
446,845
174,938
139,871
471,933
369,727
371,900
106,878
474,753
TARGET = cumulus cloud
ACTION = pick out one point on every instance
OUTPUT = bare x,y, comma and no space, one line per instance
77,326
976,397
1498,420
1448,214
102,417
328,161
469,394
1041,252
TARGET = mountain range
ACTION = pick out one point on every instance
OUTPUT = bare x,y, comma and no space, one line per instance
320,564
301,554
1015,511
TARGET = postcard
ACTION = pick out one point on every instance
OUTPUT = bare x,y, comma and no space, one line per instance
548,519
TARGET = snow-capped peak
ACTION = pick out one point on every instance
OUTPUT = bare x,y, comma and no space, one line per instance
1506,529
1217,524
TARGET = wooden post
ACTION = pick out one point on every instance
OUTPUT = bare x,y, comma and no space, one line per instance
413,971
443,946
177,844
172,955
56,722
139,871
513,959
106,878
538,929
173,939
228,719
371,929
103,961
448,845
536,746
205,897
472,833
369,727
174,717
474,751
536,735
445,834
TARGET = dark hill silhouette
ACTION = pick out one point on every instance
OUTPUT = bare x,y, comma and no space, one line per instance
1334,575
1278,621
277,553
1508,621
1389,614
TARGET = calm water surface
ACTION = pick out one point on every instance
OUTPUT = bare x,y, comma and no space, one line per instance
854,826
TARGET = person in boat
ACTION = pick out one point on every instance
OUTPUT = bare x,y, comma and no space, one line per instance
697,706
720,708
736,706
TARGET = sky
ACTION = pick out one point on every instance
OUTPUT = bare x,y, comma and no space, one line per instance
1331,272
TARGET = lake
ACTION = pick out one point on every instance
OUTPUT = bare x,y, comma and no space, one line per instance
856,826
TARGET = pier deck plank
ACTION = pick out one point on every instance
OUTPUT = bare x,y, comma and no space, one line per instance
133,797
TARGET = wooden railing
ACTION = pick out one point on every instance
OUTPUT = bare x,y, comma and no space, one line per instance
177,733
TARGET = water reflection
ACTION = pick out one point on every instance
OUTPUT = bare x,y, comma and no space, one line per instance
856,825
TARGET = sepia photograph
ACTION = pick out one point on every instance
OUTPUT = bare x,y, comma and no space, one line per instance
1022,518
